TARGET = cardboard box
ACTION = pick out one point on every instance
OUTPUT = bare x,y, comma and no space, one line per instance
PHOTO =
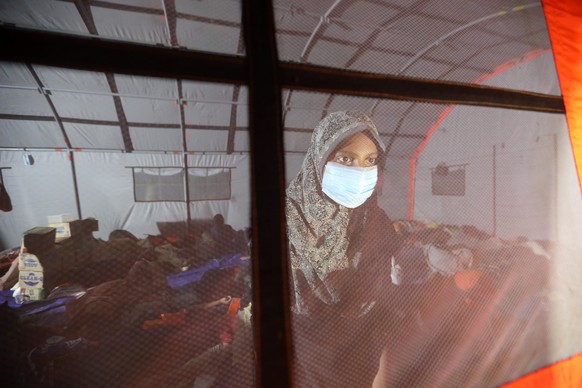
29,263
35,293
30,280
62,230
85,226
75,228
40,239
30,276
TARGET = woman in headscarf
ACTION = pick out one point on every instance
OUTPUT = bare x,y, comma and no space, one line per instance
340,246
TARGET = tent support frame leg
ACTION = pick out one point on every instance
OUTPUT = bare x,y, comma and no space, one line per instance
71,156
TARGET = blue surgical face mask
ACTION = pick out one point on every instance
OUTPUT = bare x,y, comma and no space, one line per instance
349,186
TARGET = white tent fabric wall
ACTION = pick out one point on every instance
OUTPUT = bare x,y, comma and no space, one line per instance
525,165
105,184
37,191
237,210
106,189
215,120
394,196
536,190
293,162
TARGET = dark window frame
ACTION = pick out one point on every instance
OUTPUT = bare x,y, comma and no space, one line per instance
265,76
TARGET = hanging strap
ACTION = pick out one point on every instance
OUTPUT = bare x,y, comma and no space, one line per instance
5,202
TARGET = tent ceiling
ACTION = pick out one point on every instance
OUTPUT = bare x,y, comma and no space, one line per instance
453,40
456,41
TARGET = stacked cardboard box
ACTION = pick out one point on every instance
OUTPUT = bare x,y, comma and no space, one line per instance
67,227
61,223
30,277
40,239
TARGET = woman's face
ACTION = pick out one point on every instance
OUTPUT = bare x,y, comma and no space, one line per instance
356,151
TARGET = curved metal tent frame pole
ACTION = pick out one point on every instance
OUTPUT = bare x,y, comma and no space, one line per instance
429,133
444,37
307,49
59,123
462,28
326,17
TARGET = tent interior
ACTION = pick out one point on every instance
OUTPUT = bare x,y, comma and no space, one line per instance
143,162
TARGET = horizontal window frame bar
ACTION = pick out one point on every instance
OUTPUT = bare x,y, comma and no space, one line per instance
98,54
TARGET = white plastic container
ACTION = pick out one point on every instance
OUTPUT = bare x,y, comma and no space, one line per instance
60,218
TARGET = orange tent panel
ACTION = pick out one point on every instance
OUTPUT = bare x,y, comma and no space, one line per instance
564,19
563,374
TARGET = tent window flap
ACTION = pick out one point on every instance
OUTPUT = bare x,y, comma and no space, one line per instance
155,184
158,184
448,180
209,184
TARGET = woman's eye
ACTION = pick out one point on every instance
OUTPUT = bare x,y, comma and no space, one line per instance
343,159
372,161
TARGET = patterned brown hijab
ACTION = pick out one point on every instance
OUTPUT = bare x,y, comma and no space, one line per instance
319,230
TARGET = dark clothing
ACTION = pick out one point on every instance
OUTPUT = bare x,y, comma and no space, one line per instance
339,345
340,260
226,239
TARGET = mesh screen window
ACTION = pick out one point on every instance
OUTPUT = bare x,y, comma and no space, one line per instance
167,184
401,273
447,180
209,183
158,184
459,252
142,286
